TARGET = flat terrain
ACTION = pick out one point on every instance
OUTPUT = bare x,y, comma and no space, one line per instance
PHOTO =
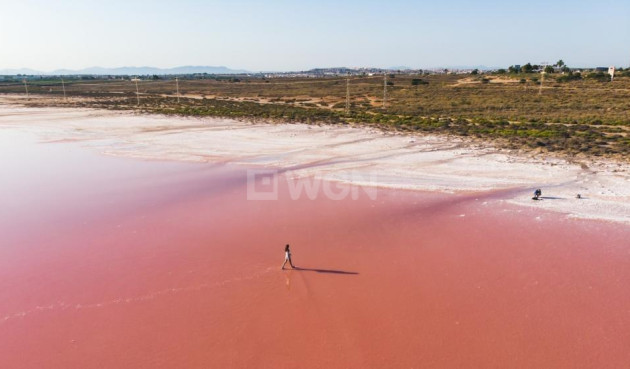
115,262
342,153
581,118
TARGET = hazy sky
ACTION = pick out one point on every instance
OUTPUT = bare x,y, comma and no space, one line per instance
296,35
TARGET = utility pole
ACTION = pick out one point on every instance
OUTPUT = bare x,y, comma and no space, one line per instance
384,89
63,86
137,92
25,86
542,76
177,84
347,94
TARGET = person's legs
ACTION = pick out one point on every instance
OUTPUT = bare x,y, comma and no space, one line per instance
285,263
290,263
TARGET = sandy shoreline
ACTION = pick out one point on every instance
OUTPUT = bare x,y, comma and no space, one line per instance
340,153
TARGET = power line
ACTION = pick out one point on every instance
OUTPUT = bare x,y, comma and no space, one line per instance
137,92
177,84
384,90
64,89
542,77
347,95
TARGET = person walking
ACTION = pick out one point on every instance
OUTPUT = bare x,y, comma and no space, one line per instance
287,257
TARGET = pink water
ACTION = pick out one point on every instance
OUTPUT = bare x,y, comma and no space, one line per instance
120,263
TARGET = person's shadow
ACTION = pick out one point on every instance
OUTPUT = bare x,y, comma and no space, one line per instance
330,271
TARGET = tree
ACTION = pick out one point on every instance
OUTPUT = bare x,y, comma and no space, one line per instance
560,64
501,71
512,69
548,69
527,68
474,72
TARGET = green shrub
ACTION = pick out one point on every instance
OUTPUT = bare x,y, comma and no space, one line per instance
599,76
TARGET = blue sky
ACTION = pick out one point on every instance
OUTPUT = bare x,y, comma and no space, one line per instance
296,35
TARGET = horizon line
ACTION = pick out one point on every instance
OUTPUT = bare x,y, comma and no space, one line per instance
68,71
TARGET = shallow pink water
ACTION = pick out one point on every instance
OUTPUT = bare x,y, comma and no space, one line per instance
110,262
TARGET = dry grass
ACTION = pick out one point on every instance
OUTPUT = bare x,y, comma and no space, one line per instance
583,117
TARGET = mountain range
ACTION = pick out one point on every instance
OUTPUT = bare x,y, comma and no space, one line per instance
144,71
126,71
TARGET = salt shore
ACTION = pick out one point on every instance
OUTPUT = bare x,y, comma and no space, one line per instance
108,261
340,153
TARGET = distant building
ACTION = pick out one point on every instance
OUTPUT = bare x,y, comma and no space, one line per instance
611,71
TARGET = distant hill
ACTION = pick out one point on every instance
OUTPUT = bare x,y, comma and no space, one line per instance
9,72
127,71
400,67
